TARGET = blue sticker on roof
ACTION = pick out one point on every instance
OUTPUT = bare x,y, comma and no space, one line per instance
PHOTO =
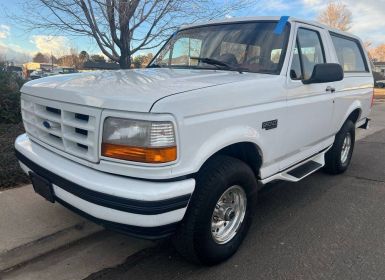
281,25
175,33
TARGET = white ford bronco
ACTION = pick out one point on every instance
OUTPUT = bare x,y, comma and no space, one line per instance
182,147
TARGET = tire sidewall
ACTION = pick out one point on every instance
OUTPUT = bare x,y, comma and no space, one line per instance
206,247
348,127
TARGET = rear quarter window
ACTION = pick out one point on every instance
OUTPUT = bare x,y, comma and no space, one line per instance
349,53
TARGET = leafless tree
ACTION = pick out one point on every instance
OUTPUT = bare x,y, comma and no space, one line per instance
97,58
40,58
3,57
83,56
378,53
336,15
122,27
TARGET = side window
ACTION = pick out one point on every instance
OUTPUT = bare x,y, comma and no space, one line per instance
349,53
163,58
307,54
184,48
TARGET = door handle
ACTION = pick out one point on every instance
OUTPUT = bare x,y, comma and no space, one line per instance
330,89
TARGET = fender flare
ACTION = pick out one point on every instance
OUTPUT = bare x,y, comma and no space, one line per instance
224,138
354,106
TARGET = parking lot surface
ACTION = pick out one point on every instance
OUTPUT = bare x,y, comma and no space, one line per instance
324,227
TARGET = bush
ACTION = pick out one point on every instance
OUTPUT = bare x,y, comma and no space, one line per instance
10,108
11,174
10,98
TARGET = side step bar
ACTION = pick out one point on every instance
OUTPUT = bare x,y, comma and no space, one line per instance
300,170
304,170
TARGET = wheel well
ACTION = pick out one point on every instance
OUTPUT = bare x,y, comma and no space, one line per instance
354,115
247,152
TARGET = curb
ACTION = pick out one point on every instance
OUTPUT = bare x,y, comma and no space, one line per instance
25,253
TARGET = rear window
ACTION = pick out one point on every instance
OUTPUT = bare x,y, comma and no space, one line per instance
350,54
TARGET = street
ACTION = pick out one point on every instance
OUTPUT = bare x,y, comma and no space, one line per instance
324,227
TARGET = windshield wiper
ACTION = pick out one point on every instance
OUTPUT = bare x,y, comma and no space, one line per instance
154,66
218,63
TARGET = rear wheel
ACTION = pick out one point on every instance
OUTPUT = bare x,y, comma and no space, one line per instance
339,156
219,212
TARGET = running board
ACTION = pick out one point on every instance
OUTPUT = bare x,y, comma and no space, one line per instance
300,170
304,170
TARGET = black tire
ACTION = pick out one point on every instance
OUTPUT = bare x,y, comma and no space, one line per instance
194,239
333,163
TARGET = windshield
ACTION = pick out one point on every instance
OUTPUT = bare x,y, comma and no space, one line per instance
249,47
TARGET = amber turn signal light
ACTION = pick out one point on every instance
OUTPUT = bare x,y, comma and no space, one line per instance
139,154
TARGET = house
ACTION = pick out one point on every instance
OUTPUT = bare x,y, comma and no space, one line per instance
29,67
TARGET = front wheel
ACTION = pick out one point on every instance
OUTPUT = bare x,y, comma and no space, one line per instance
337,159
219,212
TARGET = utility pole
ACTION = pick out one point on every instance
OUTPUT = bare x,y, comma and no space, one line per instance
51,62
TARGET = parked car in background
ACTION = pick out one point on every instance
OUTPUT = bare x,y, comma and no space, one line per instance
40,73
37,74
182,148
380,84
67,70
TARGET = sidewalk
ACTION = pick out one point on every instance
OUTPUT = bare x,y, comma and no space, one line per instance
31,226
44,241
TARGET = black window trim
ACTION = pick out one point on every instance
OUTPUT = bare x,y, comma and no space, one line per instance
297,43
359,45
283,55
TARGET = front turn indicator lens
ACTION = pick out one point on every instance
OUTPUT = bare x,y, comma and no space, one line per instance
139,154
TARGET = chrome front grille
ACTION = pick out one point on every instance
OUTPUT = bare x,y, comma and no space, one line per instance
69,128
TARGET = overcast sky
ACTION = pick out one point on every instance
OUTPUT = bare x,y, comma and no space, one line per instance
368,23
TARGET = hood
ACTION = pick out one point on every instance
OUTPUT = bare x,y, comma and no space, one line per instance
130,90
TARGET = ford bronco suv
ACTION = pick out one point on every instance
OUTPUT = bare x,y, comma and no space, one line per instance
182,147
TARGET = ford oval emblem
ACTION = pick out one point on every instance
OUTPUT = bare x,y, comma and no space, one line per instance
47,124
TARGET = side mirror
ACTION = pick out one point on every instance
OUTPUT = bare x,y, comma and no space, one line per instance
325,73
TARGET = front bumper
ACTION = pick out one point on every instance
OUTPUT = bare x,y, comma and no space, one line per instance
143,208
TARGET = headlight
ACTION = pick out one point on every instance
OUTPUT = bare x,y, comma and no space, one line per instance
141,141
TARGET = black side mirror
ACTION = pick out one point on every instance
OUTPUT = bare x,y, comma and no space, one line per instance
325,73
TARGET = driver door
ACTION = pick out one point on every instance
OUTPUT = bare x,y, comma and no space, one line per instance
309,107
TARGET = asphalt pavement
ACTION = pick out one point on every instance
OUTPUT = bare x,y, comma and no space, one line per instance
324,227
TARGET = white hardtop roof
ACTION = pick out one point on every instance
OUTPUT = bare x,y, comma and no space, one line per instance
269,18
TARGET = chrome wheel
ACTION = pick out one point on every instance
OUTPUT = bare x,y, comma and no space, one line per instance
228,214
346,146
